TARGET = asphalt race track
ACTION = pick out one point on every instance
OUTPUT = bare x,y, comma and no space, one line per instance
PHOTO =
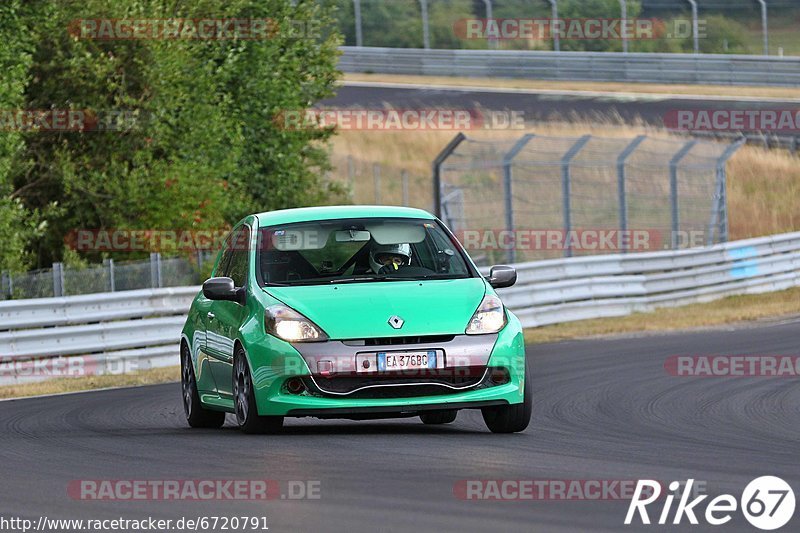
538,106
604,410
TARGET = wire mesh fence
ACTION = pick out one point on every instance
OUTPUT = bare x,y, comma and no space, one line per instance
111,276
541,197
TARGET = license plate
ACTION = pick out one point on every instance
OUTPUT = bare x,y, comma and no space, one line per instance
388,361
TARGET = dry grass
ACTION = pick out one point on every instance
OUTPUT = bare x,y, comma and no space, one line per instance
725,311
611,87
61,385
763,185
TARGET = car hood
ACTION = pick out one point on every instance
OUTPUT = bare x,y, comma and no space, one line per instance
362,310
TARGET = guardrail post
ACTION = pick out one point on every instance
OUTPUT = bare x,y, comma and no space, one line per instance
508,188
566,189
112,285
437,172
155,270
359,31
719,213
58,279
673,187
621,186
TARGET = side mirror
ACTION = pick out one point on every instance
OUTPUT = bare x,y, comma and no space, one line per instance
222,289
502,276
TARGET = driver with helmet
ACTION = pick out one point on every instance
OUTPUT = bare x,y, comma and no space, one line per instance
387,258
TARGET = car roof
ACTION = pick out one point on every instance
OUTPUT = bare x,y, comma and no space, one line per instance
307,214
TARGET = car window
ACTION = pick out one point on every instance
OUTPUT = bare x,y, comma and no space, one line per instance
224,256
353,250
240,253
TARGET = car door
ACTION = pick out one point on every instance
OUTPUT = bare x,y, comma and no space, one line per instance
202,305
225,317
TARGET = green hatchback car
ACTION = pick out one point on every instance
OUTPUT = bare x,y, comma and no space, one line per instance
358,312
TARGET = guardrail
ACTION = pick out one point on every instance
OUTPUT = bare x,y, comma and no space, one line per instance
110,332
114,332
564,290
576,66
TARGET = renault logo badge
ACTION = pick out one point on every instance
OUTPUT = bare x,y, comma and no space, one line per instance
396,322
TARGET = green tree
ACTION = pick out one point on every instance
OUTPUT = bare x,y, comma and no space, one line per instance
204,148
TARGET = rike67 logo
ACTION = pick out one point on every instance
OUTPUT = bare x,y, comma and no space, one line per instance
767,503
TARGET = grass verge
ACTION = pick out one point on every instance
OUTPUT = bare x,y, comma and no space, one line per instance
730,310
61,385
610,87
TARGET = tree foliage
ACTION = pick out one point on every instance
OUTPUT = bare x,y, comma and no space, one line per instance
200,147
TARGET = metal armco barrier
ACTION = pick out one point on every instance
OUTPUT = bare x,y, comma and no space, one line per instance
141,329
576,66
94,333
565,290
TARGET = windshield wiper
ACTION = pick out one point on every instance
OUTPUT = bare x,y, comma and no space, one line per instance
372,278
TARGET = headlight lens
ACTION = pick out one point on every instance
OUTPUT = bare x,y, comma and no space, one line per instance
489,318
289,325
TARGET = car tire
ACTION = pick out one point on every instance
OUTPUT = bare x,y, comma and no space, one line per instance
438,417
244,399
511,418
196,415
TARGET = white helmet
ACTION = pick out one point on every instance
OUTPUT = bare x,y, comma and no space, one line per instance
379,252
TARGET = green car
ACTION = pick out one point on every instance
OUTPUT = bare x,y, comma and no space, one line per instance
358,312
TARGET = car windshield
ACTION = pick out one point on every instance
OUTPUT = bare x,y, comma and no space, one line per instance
358,251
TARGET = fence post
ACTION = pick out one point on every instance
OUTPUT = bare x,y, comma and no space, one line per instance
673,188
376,174
623,6
426,32
489,15
404,181
351,176
719,213
357,13
566,189
155,270
58,279
5,283
556,36
621,187
112,285
764,25
508,189
437,171
695,27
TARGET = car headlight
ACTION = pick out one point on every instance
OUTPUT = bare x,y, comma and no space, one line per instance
289,325
490,317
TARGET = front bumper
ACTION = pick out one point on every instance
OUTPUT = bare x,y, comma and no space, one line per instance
361,395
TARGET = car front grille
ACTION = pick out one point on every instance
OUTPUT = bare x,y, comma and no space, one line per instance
396,384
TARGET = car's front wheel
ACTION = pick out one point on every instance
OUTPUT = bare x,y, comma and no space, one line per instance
196,415
246,411
511,418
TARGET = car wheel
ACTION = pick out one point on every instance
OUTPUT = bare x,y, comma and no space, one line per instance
196,415
245,401
438,417
511,418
